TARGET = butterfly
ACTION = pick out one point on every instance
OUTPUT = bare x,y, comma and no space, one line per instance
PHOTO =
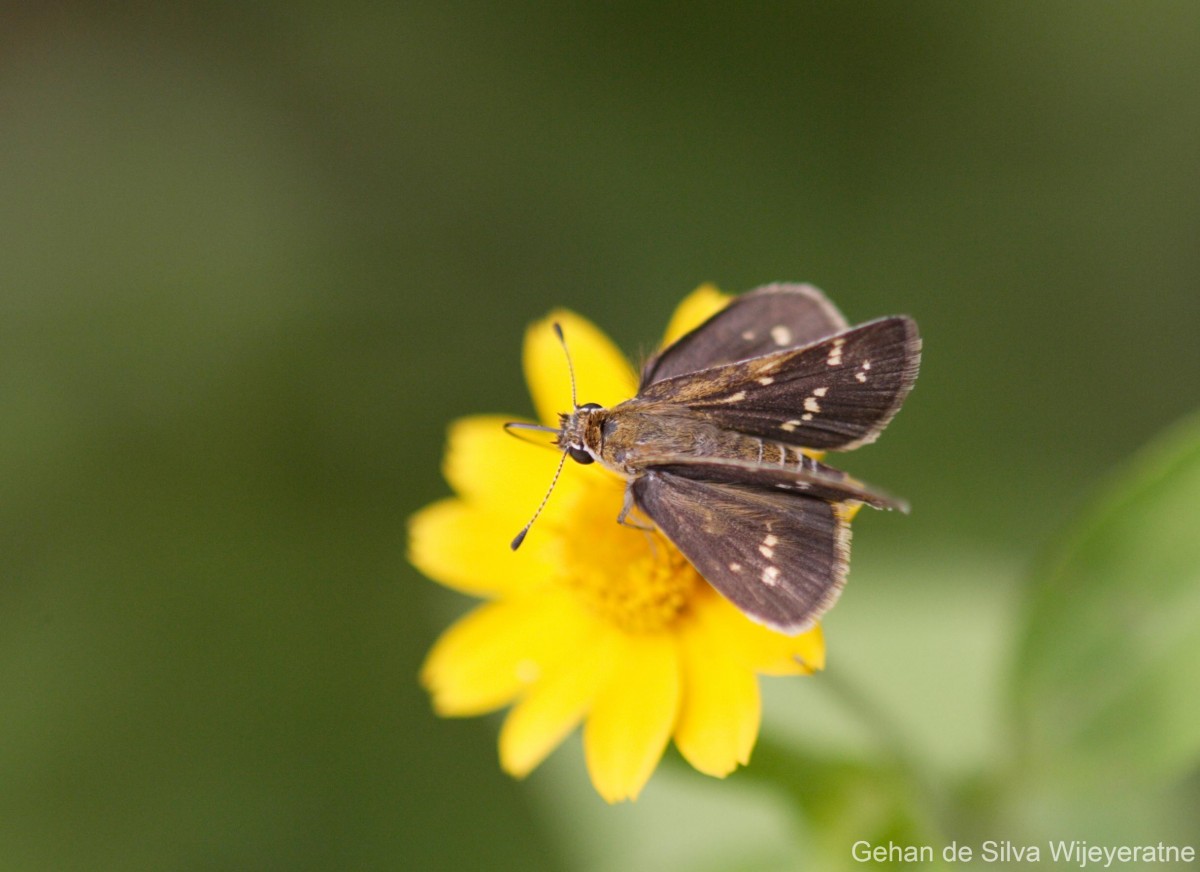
718,445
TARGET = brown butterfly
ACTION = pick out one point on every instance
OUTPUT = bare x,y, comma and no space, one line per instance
711,445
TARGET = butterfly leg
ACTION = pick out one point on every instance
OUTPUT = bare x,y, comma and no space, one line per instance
648,530
626,508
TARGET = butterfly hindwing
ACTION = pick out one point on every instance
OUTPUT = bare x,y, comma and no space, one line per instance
759,322
781,558
837,393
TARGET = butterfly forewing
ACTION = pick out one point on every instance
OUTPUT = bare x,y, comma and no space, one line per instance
837,393
780,558
760,322
811,478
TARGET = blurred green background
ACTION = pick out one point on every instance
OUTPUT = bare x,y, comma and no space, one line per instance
255,259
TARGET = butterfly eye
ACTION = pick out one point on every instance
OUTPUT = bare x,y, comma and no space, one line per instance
591,406
579,455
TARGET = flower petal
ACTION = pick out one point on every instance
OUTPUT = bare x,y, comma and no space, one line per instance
602,375
777,654
488,657
467,548
696,308
555,703
721,708
487,465
759,648
633,716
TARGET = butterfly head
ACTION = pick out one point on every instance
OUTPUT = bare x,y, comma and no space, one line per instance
579,432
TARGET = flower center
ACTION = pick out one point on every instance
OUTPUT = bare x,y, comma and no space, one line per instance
637,580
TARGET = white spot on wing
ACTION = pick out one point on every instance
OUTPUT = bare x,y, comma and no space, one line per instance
807,416
835,353
735,398
781,335
860,377
766,552
820,392
748,335
735,567
771,541
766,380
789,426
770,576
811,405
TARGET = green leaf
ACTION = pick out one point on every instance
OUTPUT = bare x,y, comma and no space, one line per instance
1108,671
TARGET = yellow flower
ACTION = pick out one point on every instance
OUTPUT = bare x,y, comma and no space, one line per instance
589,621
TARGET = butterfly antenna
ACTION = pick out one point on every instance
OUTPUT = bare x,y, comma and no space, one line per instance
514,428
570,367
520,537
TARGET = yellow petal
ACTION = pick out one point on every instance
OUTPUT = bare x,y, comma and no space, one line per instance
759,648
556,702
777,654
467,548
488,657
721,708
602,375
487,465
633,716
696,308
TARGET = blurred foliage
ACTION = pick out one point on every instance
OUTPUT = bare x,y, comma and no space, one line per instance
1107,676
256,258
1108,673
849,801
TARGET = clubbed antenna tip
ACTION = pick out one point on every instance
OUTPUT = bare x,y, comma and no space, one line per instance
520,537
